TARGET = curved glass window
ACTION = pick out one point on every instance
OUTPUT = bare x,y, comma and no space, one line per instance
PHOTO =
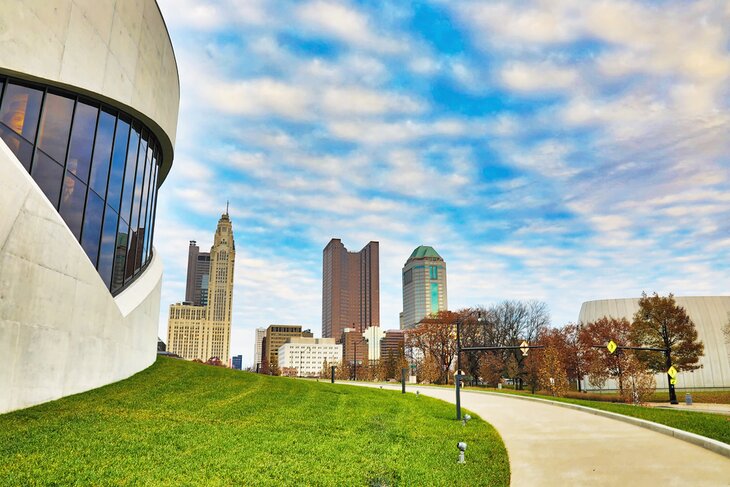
97,165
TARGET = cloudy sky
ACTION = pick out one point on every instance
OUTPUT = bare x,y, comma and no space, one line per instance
558,150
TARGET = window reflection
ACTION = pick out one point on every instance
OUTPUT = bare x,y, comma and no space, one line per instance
129,173
73,195
55,125
139,182
91,162
150,213
92,226
20,109
116,173
120,253
19,120
82,141
48,174
106,251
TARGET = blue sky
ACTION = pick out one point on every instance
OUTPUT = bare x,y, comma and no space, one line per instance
557,150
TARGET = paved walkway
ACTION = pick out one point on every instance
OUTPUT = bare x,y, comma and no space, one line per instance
555,446
698,407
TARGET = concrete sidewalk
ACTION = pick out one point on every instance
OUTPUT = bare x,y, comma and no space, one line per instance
698,407
550,445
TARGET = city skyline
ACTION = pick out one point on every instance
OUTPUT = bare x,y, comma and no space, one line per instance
553,157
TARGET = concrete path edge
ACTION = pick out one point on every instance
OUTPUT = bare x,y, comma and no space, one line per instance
699,440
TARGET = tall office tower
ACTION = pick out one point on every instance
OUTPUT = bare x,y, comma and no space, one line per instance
350,288
424,286
204,332
258,343
196,288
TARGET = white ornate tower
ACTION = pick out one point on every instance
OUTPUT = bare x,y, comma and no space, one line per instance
220,288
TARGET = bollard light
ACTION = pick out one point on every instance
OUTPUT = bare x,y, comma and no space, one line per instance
462,448
417,393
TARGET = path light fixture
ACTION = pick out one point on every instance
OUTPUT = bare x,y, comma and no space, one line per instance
462,448
466,419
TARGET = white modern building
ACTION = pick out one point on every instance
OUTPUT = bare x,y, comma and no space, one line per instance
307,355
373,335
424,286
89,96
709,314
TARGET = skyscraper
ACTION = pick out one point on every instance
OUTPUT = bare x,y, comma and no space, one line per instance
196,287
204,332
424,286
258,346
350,288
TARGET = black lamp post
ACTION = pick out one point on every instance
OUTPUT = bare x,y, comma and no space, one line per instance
457,378
668,364
668,359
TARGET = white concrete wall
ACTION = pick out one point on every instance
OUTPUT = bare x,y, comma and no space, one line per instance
117,51
61,331
709,314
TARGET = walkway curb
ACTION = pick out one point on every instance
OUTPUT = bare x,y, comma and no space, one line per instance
702,441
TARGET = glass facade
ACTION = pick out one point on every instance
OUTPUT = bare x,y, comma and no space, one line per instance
434,297
98,167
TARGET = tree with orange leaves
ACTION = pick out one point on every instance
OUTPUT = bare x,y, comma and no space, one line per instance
600,364
435,340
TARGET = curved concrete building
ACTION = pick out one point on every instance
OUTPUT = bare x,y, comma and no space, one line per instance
709,314
89,96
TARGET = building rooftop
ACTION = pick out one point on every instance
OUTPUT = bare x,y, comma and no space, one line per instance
424,251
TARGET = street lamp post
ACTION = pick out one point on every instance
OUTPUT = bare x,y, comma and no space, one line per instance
354,360
299,370
668,363
668,358
457,379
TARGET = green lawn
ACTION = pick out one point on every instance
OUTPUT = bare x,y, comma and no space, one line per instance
716,426
180,423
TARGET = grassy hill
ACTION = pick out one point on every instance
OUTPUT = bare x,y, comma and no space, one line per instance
180,423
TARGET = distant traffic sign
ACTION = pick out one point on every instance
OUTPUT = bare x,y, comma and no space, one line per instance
524,348
672,381
611,346
672,372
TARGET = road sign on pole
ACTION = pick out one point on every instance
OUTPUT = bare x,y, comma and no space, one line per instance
524,348
672,372
611,346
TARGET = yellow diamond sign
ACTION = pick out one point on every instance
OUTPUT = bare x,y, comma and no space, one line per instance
523,348
672,372
611,346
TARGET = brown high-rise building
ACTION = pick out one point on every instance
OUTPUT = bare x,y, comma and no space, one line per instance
196,288
276,336
354,347
392,344
350,288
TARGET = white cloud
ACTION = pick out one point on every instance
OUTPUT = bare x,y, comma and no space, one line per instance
367,132
261,97
359,101
538,77
345,23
